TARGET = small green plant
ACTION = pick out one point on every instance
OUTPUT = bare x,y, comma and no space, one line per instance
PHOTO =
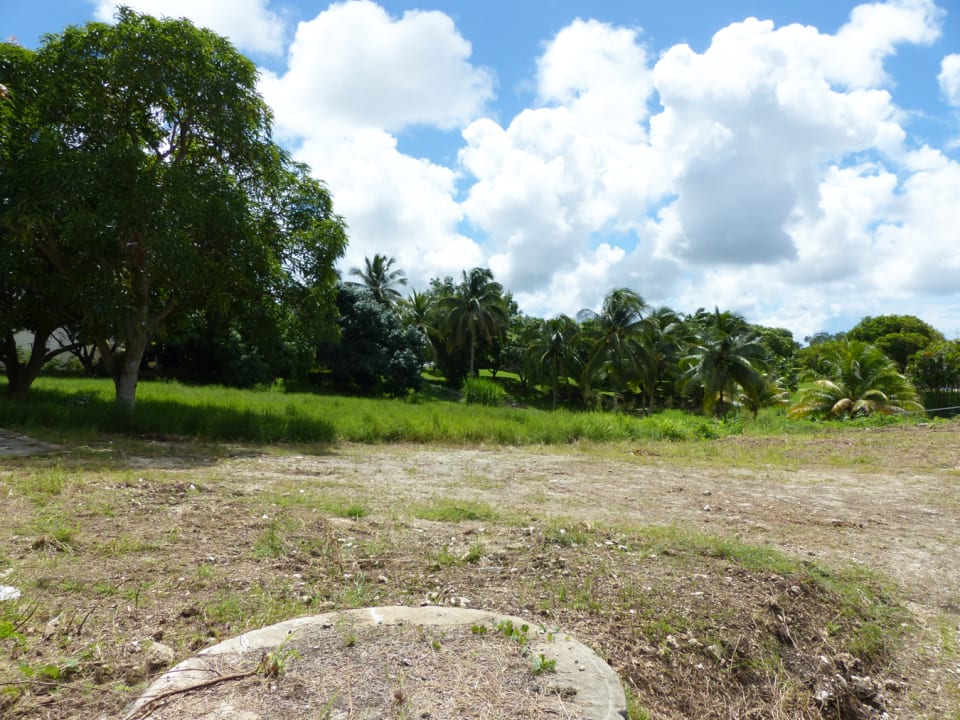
636,711
355,512
542,664
326,712
275,662
8,631
270,542
359,593
565,533
518,633
475,553
444,559
347,632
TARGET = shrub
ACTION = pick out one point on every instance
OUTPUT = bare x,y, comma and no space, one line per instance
480,391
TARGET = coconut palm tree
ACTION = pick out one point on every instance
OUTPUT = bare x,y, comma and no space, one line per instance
615,332
378,277
725,361
418,310
858,379
476,311
662,335
551,353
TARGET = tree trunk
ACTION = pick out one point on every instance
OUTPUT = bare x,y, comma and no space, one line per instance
126,386
124,368
20,376
473,348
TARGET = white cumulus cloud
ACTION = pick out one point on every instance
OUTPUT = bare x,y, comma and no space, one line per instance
949,79
559,174
752,121
356,65
771,173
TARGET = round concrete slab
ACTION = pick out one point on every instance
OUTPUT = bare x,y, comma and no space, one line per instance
377,662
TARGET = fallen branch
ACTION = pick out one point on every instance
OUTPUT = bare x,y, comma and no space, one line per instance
151,704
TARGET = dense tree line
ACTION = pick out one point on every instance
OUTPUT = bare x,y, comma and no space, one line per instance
630,356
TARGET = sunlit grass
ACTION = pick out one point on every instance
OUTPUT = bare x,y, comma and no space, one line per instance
78,407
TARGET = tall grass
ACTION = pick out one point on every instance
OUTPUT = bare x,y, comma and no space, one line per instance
481,391
82,406
216,413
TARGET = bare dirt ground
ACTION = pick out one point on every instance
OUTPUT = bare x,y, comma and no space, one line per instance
171,545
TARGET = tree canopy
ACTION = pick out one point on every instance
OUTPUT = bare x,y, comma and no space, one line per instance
148,184
725,359
375,352
899,336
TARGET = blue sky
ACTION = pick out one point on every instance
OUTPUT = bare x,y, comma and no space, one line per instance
795,162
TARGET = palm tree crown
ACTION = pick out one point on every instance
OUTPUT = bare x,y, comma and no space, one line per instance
551,353
616,331
418,311
476,311
377,276
858,379
723,360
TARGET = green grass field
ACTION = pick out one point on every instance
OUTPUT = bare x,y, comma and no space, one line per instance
68,406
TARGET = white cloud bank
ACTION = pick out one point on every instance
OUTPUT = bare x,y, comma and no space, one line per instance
771,174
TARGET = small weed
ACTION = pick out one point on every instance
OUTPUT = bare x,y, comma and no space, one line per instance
326,712
347,631
354,512
270,544
8,631
475,553
869,642
520,634
636,711
359,593
542,664
565,534
275,662
42,486
444,559
56,533
455,511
